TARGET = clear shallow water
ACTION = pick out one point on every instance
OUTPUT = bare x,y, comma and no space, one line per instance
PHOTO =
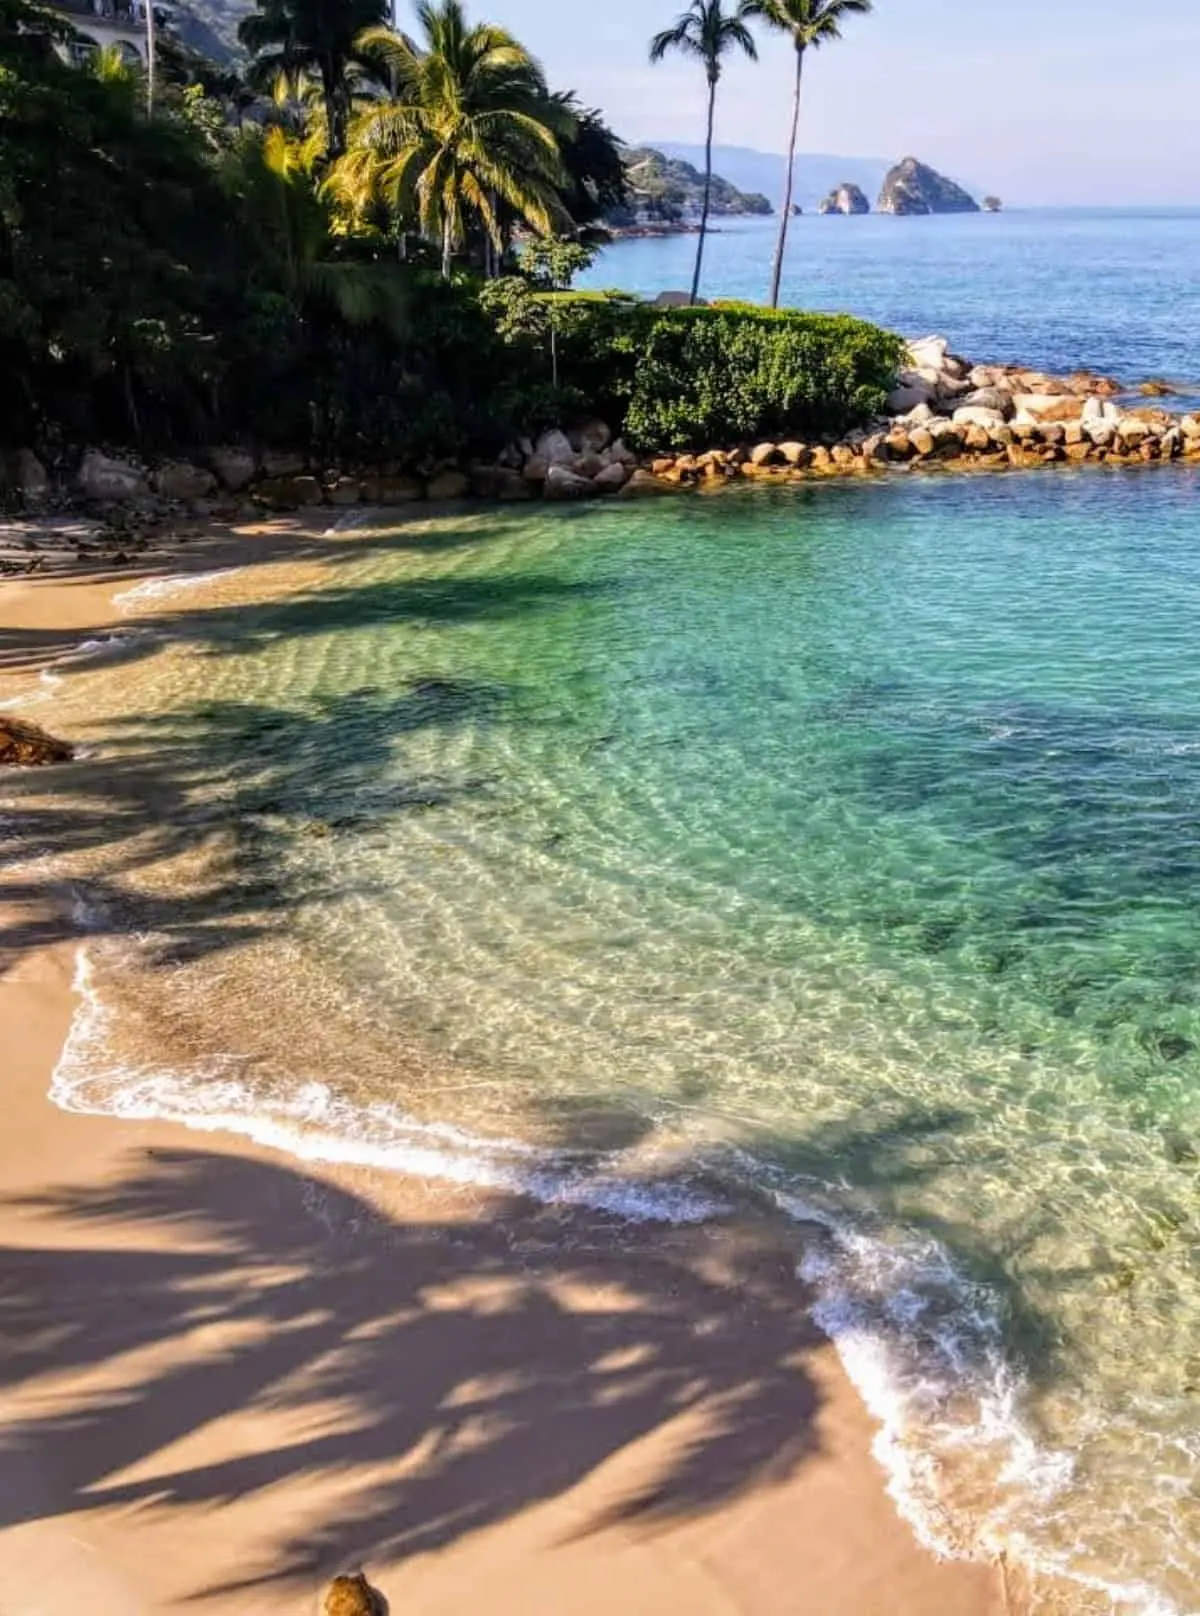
838,842
1111,290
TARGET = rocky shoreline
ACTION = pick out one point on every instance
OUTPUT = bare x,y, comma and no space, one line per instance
945,414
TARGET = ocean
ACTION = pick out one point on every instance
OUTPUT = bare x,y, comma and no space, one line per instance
1112,290
829,846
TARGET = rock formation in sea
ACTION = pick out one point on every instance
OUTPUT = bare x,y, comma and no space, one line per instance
846,199
915,188
992,204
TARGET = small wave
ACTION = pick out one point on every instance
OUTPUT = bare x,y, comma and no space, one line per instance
921,1341
162,588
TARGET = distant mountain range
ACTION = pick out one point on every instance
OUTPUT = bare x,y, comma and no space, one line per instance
817,173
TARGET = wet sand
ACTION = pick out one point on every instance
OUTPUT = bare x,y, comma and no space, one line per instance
226,1375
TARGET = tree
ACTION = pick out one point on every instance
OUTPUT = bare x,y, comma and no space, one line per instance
709,33
810,24
470,126
593,157
311,36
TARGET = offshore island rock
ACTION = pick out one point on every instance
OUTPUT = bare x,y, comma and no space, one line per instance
913,188
847,199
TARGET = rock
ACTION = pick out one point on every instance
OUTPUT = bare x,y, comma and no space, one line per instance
591,437
1034,407
179,479
620,451
1131,429
875,450
1099,433
1189,425
922,442
847,199
842,454
1171,443
979,415
26,476
992,204
555,448
561,483
352,1596
102,478
978,437
282,463
677,300
587,465
290,493
899,446
535,469
990,398
448,485
795,454
612,479
24,745
913,187
765,454
343,491
907,398
1052,432
1073,432
928,353
920,416
235,468
1078,451
644,483
1156,389
392,490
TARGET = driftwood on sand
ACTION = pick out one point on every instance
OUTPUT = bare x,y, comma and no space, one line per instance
26,745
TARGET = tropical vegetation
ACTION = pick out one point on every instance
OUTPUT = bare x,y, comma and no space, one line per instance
809,24
707,33
362,249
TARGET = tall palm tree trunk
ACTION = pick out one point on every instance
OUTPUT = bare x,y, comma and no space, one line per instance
151,56
781,248
708,146
447,250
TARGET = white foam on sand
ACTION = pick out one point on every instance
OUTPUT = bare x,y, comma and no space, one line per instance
151,589
921,1341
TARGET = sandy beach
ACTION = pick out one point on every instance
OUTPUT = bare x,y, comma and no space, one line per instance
226,1375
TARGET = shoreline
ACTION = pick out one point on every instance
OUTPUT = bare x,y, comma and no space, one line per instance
861,1557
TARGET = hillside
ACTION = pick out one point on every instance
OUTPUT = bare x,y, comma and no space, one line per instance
667,190
817,173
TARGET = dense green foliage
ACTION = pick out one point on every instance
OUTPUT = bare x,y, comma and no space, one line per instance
695,378
193,275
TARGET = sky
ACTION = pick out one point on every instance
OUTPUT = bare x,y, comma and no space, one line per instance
1045,102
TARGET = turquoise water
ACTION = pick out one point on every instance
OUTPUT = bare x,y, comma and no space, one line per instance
1114,290
839,842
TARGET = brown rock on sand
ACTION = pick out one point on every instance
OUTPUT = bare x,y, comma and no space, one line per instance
25,744
353,1596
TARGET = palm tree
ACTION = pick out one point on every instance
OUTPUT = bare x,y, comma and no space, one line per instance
311,36
470,132
811,24
709,33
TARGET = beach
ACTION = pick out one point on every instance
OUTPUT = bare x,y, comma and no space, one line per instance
227,1375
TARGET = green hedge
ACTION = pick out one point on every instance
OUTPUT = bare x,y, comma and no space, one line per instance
697,378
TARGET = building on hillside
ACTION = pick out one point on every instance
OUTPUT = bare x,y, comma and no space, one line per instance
101,24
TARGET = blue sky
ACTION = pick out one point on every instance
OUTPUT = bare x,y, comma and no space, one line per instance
1043,101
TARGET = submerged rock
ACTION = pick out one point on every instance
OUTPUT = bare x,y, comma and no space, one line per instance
26,746
101,477
913,188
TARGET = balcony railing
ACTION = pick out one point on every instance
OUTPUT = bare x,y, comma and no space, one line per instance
128,14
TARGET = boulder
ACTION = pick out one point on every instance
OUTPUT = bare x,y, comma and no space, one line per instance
928,353
591,437
562,484
920,416
24,473
290,493
990,398
392,490
450,484
1171,443
343,491
766,454
621,451
875,451
906,398
922,442
977,438
589,464
535,469
612,479
103,478
677,300
795,454
913,187
1047,407
1131,429
979,415
899,446
282,463
235,468
644,484
1097,409
1099,433
1189,425
555,448
1052,432
26,746
179,479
